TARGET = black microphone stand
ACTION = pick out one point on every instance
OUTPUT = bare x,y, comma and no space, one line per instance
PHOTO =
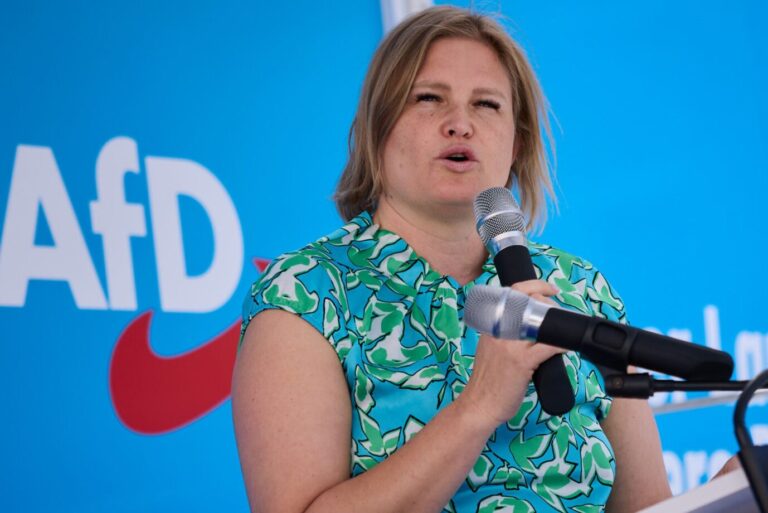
643,385
754,459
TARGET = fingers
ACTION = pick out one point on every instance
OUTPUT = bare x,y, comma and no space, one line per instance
531,287
544,351
530,354
537,289
540,351
543,299
732,464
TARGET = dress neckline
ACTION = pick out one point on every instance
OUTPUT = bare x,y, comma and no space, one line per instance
367,226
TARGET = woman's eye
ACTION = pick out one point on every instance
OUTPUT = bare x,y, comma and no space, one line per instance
427,97
490,104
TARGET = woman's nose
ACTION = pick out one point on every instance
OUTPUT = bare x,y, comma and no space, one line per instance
457,124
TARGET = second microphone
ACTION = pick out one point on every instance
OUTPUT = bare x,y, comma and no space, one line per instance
501,226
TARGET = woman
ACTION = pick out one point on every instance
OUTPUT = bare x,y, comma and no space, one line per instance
358,339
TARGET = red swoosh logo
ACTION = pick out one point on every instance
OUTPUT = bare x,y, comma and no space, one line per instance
153,394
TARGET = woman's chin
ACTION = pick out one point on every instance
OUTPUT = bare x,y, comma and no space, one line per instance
456,196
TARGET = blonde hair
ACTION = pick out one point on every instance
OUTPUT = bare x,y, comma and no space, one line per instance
386,88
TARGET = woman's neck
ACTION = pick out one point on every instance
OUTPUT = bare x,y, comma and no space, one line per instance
450,244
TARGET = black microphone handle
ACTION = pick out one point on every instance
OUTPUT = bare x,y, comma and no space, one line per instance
514,264
618,345
553,387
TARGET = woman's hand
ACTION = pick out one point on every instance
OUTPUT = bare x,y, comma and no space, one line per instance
503,368
732,464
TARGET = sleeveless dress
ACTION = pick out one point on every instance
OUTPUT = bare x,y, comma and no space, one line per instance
397,328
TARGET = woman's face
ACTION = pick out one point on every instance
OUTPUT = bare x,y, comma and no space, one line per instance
456,134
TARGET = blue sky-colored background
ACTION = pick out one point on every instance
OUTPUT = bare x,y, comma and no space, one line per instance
662,162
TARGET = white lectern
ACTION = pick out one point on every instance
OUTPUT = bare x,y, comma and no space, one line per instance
729,493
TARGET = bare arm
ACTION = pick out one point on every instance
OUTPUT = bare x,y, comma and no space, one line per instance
641,479
292,419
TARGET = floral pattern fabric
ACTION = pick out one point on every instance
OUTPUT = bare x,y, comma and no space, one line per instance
397,328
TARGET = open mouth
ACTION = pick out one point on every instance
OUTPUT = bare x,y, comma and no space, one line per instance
457,157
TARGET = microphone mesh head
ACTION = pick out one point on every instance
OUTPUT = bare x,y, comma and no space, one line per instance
497,200
481,310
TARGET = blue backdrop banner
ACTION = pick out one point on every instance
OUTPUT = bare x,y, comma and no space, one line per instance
155,156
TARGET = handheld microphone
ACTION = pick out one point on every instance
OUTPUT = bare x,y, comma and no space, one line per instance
506,313
501,226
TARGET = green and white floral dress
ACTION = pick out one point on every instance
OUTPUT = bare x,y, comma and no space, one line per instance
397,328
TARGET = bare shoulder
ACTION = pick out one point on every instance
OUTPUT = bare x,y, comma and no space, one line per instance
291,409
